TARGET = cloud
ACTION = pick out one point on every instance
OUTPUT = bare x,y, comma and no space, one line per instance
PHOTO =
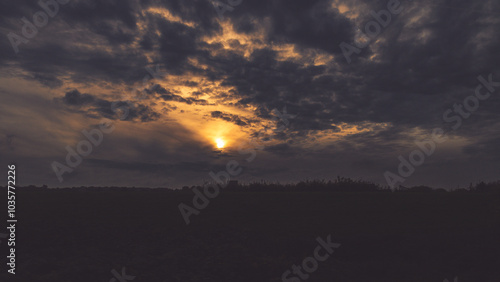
75,98
123,110
229,117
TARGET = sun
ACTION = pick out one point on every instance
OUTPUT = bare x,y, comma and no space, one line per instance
220,143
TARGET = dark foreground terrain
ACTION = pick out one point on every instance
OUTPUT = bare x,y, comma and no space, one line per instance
65,235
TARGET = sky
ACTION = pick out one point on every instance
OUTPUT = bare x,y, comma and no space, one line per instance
174,93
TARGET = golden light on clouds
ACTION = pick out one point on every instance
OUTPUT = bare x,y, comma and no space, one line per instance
228,37
347,9
166,14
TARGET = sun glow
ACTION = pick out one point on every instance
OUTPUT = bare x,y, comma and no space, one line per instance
220,143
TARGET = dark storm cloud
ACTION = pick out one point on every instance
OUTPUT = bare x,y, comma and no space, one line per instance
166,95
177,43
46,56
50,81
103,108
310,24
270,84
408,85
96,11
75,98
87,13
230,117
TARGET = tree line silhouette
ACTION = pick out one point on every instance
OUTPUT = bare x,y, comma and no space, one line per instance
340,184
